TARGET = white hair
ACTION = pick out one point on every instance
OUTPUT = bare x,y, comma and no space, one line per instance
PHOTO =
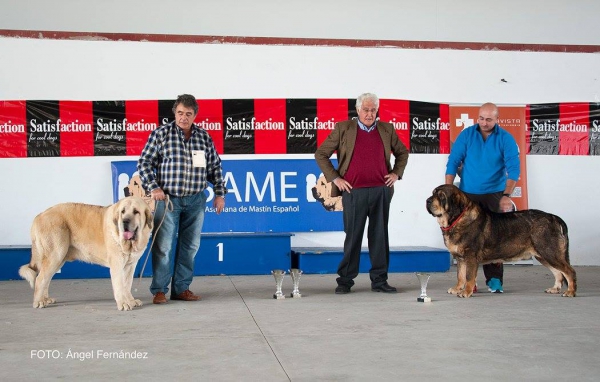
367,96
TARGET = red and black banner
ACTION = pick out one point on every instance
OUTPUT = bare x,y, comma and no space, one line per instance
264,126
563,129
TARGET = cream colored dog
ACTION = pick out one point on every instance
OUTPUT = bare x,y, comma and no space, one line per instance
322,192
114,236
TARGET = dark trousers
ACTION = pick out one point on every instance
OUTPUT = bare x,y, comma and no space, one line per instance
359,204
491,202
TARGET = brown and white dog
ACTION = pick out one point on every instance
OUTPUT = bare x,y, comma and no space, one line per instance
476,236
114,236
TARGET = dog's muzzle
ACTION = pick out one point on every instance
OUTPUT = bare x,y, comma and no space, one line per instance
428,204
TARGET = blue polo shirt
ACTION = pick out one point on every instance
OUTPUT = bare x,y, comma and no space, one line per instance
486,164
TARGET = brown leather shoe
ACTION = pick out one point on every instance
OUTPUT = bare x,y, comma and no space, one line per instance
159,298
186,295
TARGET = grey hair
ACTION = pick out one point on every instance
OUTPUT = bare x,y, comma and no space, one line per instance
367,96
186,100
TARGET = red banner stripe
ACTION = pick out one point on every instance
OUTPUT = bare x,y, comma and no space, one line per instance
574,126
141,119
13,129
210,118
76,128
270,126
397,112
445,133
330,112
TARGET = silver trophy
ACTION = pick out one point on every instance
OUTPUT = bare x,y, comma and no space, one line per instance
279,274
295,273
423,279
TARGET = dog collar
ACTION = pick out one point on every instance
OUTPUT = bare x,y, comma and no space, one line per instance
454,222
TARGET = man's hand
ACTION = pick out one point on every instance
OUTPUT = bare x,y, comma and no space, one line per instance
158,194
342,184
506,205
219,204
390,179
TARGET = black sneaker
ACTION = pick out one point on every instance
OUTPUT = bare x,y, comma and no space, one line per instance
342,289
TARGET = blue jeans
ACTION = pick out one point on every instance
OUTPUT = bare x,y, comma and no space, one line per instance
180,231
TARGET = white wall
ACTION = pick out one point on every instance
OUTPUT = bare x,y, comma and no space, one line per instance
508,21
103,70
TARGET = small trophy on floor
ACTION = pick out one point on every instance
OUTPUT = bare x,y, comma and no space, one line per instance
423,279
279,274
295,274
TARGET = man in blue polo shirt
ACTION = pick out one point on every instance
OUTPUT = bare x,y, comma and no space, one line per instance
489,157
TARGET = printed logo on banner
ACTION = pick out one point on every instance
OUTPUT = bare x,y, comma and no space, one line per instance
302,126
165,111
263,196
397,112
239,126
574,129
13,133
426,123
76,128
53,128
43,137
594,129
210,118
543,129
330,112
270,134
110,128
141,120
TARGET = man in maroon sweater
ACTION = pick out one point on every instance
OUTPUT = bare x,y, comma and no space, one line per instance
365,179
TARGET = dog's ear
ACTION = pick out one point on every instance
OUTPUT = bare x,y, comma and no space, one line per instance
149,217
443,199
458,203
116,212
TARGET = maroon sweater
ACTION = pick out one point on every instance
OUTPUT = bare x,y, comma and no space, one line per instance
367,167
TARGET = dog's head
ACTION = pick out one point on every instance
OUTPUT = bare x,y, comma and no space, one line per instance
322,192
134,188
133,221
446,204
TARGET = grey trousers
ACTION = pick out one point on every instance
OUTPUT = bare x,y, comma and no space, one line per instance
359,204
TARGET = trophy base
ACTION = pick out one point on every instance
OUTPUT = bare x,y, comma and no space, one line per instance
278,296
295,295
424,299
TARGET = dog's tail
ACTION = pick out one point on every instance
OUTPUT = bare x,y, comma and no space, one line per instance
565,233
29,273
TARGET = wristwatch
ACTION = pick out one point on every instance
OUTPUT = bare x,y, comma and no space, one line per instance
507,195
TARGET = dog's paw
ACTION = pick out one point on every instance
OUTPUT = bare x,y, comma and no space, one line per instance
40,304
569,294
136,302
49,301
125,305
464,294
553,290
454,290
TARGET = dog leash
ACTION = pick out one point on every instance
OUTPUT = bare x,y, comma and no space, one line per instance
168,206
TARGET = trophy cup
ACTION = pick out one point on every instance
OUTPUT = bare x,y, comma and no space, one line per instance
423,278
295,274
279,275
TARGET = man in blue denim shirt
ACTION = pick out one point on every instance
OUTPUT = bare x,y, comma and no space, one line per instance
489,157
179,160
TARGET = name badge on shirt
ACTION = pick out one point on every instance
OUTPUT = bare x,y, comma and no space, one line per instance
198,158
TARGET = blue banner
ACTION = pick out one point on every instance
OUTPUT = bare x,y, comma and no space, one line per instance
264,195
